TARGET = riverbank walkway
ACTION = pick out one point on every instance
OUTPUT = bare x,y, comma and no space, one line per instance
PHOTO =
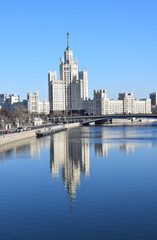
13,137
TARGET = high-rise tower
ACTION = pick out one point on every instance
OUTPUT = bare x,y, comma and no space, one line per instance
72,88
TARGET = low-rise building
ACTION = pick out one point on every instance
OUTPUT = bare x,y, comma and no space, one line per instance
131,105
104,105
125,104
37,121
35,105
9,101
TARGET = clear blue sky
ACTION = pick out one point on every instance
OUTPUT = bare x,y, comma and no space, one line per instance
116,40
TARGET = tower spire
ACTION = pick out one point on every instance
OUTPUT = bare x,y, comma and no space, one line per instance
67,41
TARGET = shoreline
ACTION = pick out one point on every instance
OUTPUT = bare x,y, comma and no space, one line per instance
14,137
129,124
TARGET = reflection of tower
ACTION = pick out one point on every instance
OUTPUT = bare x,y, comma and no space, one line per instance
69,150
85,156
71,176
58,149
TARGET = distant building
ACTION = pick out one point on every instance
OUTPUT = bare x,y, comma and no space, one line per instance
68,93
34,105
88,106
13,98
103,105
3,98
33,102
9,101
128,102
153,97
131,105
37,121
98,102
125,104
18,104
56,92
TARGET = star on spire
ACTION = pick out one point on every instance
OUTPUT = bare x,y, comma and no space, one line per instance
68,41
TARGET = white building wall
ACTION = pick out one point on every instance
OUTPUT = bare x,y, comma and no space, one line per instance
13,98
56,92
115,106
69,92
139,106
33,102
148,106
124,105
44,107
98,101
128,102
35,105
83,84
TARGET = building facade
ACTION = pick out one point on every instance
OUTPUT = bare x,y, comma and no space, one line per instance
131,105
125,104
103,105
10,101
35,105
153,97
68,93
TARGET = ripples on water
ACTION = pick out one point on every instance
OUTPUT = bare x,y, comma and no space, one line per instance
86,183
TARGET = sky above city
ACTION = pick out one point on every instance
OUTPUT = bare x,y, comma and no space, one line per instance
116,40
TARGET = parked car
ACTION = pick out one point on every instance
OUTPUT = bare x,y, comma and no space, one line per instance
19,129
6,132
12,130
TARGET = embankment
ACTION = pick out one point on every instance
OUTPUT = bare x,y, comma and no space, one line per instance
13,137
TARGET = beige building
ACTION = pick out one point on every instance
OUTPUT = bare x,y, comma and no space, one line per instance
103,105
128,102
131,105
35,105
125,104
71,90
56,92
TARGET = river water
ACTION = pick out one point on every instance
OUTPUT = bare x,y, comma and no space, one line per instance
86,183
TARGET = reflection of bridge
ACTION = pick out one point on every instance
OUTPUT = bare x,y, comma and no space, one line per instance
108,118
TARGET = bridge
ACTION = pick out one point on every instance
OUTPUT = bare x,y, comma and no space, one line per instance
87,120
109,118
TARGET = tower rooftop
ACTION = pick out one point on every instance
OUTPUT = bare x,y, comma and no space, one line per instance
67,42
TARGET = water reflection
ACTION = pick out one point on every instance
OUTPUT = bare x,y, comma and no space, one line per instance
70,152
117,200
126,138
23,149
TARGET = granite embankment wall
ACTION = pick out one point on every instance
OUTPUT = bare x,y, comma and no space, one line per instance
13,137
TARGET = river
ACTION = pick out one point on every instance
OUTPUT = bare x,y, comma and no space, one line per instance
86,183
